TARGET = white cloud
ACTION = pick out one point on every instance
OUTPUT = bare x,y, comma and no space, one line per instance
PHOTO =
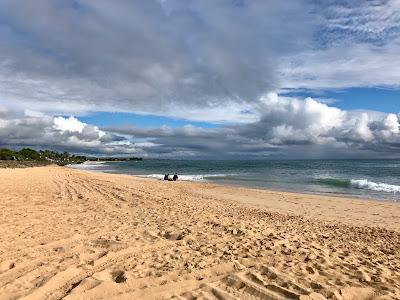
43,131
362,130
356,45
298,120
363,20
70,124
285,124
391,124
343,66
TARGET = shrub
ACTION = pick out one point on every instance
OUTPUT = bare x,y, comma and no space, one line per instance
28,153
6,154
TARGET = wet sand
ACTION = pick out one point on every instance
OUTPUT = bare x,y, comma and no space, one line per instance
79,235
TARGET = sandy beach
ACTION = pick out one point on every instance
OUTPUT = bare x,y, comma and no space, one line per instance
75,234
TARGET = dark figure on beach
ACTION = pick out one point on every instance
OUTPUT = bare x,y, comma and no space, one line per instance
166,176
175,177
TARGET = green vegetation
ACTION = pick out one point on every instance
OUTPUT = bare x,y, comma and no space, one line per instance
6,154
28,154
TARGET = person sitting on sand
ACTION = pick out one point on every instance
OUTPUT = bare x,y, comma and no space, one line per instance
169,177
166,176
175,177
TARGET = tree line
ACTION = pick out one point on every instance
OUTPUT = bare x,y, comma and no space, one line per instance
62,158
28,154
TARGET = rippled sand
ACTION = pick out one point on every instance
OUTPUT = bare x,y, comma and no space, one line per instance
77,235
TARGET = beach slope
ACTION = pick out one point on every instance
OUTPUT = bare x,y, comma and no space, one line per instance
78,235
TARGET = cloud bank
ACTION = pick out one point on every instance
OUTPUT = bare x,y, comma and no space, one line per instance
287,127
144,56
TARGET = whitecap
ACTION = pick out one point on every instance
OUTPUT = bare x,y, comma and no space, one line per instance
373,186
91,165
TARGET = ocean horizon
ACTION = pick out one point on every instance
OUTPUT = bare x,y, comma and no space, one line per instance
359,178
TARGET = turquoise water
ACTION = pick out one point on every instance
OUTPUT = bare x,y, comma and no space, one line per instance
378,179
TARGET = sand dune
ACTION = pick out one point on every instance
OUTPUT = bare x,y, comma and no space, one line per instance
78,235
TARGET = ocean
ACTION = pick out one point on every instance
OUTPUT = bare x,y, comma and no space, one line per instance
371,179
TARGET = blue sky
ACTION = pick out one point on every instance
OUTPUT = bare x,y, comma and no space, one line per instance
378,99
168,78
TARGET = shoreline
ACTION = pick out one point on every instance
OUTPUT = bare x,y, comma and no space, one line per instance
239,185
255,197
77,234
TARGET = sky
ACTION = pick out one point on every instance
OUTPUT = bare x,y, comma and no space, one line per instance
257,79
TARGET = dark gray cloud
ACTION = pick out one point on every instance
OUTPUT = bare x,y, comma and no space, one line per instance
153,56
144,56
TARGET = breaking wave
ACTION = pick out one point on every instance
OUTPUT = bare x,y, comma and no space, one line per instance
364,184
378,187
88,165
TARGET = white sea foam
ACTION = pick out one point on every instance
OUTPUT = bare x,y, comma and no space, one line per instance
373,186
91,165
189,177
